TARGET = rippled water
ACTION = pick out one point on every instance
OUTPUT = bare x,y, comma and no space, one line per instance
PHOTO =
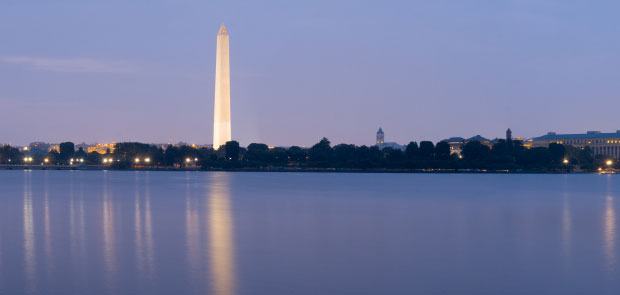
98,232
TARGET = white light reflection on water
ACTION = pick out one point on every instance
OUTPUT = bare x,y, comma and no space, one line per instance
567,227
148,228
1,263
192,233
221,243
109,238
29,236
138,232
610,233
48,230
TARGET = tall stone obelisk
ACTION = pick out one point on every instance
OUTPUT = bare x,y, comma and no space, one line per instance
221,109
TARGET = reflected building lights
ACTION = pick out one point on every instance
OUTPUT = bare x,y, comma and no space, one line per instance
221,243
109,243
143,230
48,231
567,227
138,232
1,263
29,236
192,232
148,228
610,232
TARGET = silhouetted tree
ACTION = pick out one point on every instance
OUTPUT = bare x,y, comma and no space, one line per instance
232,150
67,149
427,150
320,153
10,155
297,155
557,152
475,153
412,150
442,151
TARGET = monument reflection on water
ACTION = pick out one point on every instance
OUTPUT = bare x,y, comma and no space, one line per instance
221,239
84,232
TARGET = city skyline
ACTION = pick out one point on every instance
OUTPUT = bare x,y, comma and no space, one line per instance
422,70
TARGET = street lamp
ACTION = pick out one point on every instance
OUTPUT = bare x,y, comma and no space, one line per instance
565,161
187,160
46,160
609,162
147,160
137,160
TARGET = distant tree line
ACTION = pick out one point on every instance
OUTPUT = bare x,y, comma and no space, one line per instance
508,155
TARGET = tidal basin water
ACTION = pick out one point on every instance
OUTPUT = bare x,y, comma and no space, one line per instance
125,232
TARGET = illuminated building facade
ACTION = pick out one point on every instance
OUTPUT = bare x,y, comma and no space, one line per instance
380,137
606,144
102,148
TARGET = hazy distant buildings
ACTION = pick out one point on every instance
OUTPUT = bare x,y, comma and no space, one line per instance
221,107
380,137
607,144
457,143
381,144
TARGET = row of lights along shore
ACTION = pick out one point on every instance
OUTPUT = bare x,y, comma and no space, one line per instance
29,160
146,160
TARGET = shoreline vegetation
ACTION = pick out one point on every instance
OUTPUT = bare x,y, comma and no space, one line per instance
504,156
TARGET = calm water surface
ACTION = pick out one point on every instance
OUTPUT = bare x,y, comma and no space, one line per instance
89,232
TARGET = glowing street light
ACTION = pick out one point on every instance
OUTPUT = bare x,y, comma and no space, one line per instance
81,160
609,162
147,160
105,160
565,161
188,160
195,159
46,160
137,160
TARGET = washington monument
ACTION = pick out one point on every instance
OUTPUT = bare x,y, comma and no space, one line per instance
221,107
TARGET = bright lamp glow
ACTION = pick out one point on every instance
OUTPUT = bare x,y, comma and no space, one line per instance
609,162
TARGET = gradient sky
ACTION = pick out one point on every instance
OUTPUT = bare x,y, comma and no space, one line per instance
117,70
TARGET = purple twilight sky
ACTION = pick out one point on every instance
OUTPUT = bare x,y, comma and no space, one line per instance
117,70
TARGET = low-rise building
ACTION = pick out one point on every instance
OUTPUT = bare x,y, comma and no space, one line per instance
606,144
456,144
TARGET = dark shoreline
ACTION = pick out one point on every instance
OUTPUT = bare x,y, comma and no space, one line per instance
296,169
